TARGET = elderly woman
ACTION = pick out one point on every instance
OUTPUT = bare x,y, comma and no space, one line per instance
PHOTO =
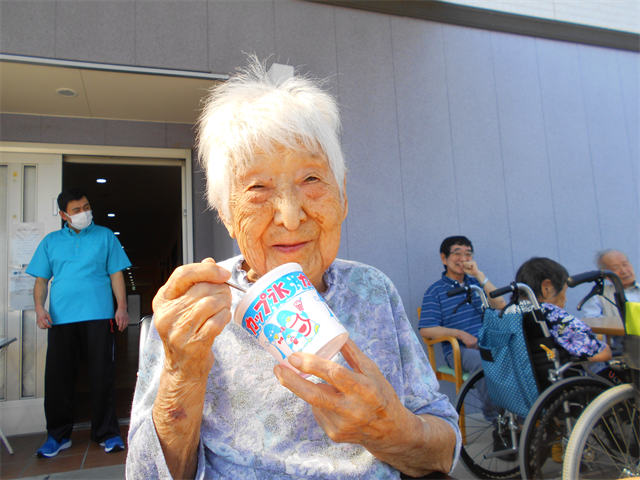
548,281
210,401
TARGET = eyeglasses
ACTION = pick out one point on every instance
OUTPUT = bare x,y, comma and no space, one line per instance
462,254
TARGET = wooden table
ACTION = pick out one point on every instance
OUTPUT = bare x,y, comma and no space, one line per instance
605,325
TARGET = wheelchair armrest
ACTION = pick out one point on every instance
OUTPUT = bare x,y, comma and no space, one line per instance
457,361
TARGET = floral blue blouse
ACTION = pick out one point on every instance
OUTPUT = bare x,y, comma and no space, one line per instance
572,334
569,332
254,428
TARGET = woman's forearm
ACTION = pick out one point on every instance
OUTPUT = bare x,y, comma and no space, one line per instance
177,416
602,356
426,445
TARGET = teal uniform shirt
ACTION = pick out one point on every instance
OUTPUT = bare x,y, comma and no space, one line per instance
81,265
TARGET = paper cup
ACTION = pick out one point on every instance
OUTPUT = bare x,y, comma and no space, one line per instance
285,313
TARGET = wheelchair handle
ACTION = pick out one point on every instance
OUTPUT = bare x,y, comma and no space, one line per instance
579,279
599,276
469,289
456,291
498,292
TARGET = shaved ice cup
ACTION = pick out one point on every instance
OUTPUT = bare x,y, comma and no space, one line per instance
285,313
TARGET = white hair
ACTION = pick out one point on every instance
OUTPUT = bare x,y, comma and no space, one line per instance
250,112
602,253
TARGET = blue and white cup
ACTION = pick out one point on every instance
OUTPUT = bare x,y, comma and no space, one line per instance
285,313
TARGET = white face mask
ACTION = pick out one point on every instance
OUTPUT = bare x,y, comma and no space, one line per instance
81,220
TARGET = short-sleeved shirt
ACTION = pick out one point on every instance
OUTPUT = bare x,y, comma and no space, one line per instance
81,265
437,309
571,333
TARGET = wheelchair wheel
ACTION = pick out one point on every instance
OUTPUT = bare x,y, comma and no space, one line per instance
477,433
550,422
604,442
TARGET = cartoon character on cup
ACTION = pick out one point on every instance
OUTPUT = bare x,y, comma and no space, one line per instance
300,322
276,336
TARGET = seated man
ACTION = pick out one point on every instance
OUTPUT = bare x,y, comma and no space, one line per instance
602,306
438,319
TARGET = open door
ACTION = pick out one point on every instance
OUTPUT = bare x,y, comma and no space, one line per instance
29,186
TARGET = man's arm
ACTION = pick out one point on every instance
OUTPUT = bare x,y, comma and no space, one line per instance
40,291
471,268
434,332
120,292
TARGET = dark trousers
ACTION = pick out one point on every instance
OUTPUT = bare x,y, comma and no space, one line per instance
95,341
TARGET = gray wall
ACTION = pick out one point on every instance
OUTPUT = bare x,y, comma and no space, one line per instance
527,146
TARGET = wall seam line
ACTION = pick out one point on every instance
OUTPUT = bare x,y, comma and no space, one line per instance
586,122
504,176
546,148
402,195
453,155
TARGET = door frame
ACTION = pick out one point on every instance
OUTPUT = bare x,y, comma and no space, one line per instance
182,154
32,408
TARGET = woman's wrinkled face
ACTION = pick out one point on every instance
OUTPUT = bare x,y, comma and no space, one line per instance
286,207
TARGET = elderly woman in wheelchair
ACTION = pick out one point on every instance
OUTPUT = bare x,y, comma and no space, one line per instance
535,359
210,402
548,280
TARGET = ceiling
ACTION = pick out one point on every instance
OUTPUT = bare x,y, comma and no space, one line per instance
32,89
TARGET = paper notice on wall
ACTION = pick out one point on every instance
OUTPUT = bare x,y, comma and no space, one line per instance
25,238
21,290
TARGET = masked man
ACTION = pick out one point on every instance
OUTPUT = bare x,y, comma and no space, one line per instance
86,263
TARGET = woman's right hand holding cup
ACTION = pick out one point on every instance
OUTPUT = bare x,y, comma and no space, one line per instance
190,311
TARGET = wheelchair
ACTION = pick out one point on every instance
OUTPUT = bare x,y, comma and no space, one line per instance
534,425
604,444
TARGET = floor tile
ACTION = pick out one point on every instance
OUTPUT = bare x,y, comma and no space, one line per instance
102,459
95,462
11,470
79,435
41,466
24,446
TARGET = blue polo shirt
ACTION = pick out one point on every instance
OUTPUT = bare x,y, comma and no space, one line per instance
437,309
81,265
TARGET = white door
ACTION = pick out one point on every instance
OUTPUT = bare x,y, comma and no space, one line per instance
29,186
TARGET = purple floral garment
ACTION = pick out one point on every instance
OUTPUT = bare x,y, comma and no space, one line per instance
254,428
572,334
569,332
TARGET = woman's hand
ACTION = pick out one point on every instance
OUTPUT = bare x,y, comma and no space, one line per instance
191,310
361,407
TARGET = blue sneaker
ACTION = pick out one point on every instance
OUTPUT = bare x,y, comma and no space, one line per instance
113,444
51,447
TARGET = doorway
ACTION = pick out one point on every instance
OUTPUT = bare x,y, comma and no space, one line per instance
141,202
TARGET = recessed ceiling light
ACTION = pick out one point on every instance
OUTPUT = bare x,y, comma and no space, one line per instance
111,214
67,92
116,233
101,180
